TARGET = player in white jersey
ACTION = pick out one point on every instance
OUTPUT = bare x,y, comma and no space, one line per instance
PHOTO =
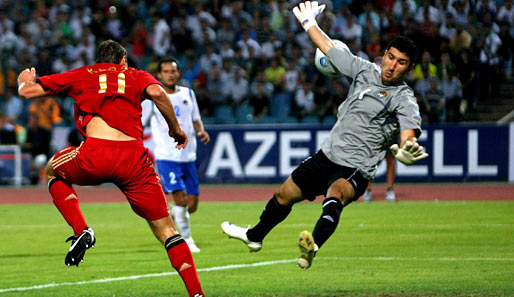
177,168
379,107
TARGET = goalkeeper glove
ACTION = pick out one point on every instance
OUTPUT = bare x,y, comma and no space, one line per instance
409,153
307,12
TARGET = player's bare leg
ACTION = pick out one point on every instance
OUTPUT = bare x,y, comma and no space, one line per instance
391,175
180,212
192,203
66,200
163,228
178,252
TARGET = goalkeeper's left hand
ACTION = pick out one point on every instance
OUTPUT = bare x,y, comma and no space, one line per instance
307,12
410,152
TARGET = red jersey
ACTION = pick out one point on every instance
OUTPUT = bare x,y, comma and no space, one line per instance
112,91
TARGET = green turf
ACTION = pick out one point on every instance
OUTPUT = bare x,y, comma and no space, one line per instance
380,249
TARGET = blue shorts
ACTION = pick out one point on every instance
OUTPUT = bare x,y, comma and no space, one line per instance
176,176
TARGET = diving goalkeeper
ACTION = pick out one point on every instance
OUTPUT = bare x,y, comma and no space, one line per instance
379,106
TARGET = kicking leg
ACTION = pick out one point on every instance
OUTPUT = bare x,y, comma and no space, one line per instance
275,211
66,200
178,252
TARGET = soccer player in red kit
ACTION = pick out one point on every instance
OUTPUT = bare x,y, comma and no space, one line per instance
108,98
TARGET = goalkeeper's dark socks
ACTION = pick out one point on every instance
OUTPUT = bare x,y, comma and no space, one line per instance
67,202
182,260
327,223
272,214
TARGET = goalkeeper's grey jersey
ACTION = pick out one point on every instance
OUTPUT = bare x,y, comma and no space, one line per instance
371,117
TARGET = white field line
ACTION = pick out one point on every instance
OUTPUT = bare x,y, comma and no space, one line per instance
441,259
235,266
486,225
114,279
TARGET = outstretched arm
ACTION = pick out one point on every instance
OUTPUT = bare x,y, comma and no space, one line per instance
27,86
306,13
159,97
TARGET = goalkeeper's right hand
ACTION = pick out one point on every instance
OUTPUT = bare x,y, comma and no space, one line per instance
410,152
307,12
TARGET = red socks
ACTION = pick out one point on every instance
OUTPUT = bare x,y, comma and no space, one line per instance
67,202
182,260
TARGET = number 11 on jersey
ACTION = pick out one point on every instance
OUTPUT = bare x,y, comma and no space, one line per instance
102,80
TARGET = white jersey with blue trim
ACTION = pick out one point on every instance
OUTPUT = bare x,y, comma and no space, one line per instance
187,112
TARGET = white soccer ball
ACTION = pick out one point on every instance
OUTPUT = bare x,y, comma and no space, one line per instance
323,65
40,161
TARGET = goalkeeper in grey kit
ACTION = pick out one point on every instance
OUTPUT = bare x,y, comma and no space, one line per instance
379,106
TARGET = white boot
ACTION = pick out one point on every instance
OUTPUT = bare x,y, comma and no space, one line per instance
192,245
390,195
367,196
234,231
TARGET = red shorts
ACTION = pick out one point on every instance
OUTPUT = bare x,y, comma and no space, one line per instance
125,163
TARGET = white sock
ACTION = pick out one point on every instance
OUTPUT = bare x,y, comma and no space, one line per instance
172,212
182,220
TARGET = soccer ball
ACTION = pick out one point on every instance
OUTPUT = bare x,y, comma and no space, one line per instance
323,65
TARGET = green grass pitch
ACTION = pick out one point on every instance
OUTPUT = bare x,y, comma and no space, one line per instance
379,249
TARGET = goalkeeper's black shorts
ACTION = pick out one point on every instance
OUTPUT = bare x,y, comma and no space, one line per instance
316,173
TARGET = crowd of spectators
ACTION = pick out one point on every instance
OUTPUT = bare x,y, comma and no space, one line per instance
249,61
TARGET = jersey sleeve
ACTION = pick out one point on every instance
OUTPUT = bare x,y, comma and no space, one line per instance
408,113
344,62
196,111
144,80
59,84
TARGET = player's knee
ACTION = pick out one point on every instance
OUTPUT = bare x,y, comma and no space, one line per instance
192,201
288,193
347,198
180,198
279,195
342,190
283,197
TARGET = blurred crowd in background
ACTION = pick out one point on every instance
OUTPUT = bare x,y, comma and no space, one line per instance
250,61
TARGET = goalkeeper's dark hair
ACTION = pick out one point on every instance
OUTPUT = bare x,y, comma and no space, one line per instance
109,51
167,60
406,46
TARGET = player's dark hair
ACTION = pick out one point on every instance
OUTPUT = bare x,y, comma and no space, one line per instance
406,46
109,51
167,60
